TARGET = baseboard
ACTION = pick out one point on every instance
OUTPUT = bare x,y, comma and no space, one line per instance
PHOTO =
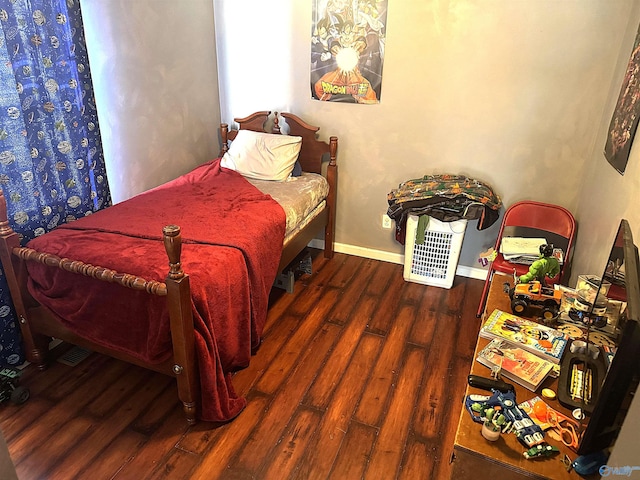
472,272
361,252
398,258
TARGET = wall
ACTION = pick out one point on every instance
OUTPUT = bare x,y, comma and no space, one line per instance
509,92
606,197
155,76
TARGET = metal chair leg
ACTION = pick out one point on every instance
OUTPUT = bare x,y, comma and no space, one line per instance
485,292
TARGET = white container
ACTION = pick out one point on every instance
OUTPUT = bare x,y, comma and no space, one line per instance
588,285
435,261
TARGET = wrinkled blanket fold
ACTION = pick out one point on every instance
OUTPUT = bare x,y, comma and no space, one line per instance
232,240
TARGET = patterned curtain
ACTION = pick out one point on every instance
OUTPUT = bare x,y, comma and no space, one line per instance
51,163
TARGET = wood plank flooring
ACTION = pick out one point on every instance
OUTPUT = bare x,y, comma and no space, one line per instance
360,375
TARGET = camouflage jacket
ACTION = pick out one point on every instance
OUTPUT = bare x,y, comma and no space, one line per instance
445,197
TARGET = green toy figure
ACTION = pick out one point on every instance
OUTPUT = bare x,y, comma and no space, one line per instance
546,266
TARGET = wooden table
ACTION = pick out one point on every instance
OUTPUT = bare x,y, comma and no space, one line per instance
477,458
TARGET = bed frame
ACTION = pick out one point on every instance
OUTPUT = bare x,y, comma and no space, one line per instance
38,325
311,159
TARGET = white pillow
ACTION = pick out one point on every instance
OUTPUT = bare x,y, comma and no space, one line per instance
264,156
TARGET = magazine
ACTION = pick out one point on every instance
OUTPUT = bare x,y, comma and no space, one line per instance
544,341
516,364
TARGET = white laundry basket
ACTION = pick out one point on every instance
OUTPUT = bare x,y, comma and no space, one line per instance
435,261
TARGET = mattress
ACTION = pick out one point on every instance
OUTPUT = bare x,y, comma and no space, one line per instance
301,198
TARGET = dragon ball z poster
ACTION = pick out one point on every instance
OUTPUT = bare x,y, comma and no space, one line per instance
624,122
347,50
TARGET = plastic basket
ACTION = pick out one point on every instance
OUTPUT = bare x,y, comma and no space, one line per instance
435,261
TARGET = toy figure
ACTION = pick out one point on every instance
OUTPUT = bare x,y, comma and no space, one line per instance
546,266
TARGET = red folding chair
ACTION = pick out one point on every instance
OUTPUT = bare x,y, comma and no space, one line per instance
533,219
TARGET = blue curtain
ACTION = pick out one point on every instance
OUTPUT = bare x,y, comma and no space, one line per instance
51,162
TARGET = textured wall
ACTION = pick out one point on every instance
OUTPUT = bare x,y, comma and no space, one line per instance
607,196
511,93
155,75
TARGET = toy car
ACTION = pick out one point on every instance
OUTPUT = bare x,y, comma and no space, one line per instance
9,388
525,295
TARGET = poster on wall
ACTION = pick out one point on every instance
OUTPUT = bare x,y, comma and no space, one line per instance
624,122
347,50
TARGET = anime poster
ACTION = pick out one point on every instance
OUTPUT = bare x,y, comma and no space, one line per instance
624,122
347,50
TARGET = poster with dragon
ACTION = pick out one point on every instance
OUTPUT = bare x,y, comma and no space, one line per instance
347,50
626,115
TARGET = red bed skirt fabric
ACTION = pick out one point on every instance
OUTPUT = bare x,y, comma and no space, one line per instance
232,241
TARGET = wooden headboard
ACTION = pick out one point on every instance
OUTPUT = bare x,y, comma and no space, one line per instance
312,155
312,151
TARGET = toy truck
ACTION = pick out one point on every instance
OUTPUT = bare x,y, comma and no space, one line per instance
534,294
9,388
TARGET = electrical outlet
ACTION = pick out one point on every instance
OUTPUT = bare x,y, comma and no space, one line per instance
386,221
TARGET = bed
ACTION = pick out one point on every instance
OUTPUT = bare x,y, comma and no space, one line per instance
102,283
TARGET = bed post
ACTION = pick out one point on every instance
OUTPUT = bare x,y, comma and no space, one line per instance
35,350
181,318
332,179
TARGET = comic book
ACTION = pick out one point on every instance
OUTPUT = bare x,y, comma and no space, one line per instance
516,364
539,339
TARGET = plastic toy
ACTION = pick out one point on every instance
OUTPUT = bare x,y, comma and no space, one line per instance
545,450
502,411
492,426
9,388
591,463
588,313
546,266
487,256
525,295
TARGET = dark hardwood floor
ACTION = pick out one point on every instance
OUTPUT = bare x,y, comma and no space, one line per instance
360,375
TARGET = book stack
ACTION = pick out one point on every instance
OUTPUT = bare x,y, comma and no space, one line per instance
536,338
525,250
515,363
522,350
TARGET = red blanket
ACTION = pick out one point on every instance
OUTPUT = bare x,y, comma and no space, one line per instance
232,240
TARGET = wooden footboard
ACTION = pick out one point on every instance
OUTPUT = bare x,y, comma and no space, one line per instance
38,325
313,155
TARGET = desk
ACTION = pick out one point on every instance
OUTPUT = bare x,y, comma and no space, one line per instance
474,457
